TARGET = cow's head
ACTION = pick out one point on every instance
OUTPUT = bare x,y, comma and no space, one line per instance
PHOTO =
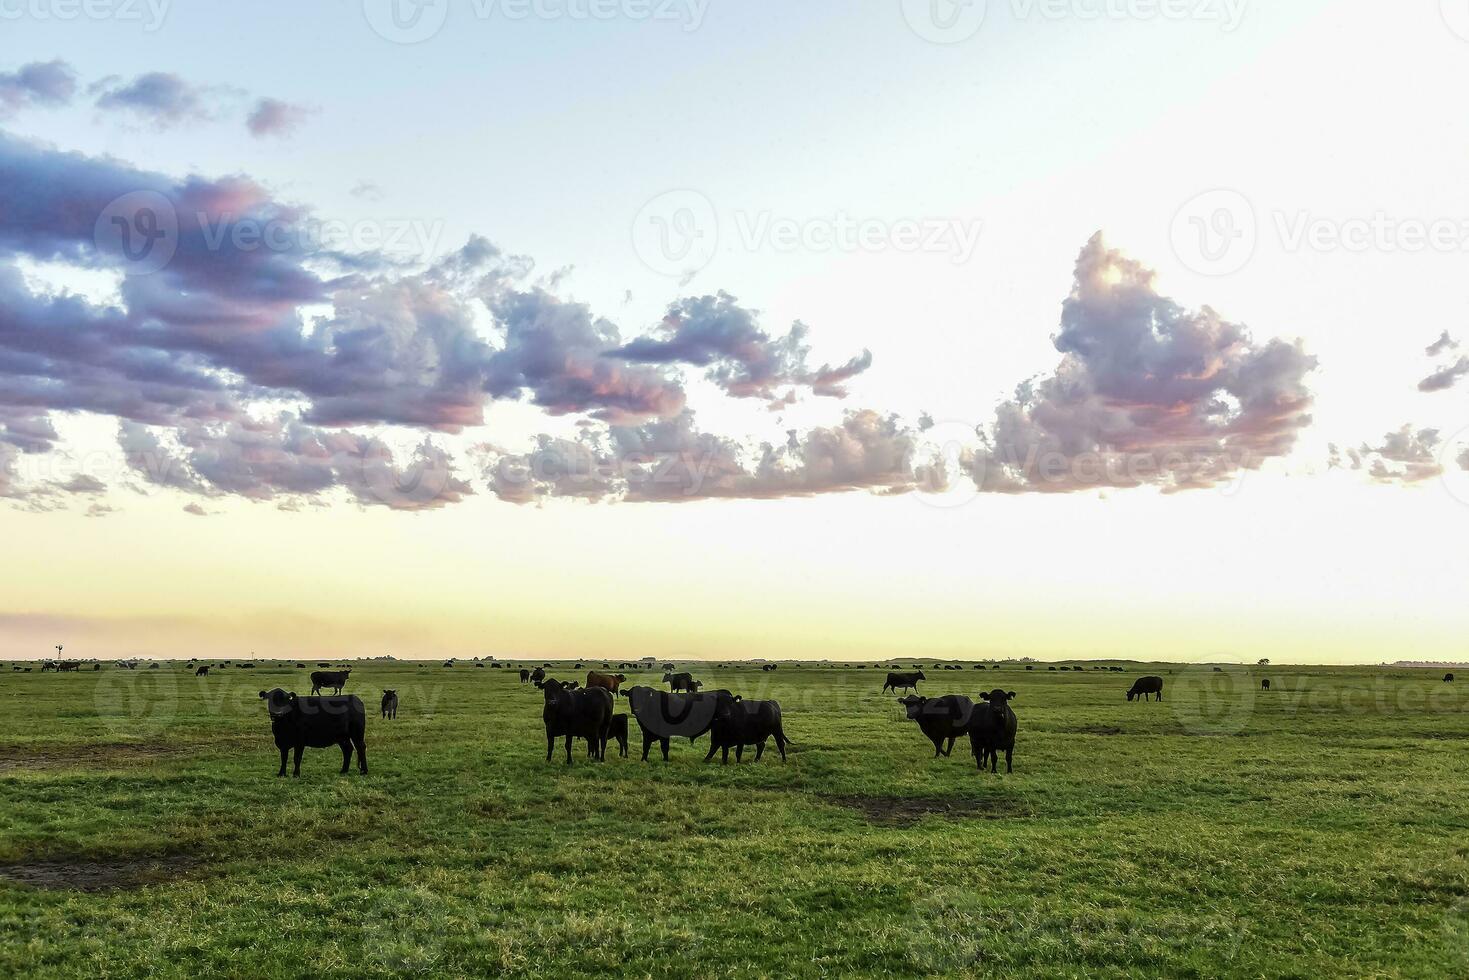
914,704
551,688
998,699
667,678
279,703
390,694
920,676
620,678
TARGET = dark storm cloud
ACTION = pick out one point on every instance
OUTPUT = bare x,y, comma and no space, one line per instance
1147,393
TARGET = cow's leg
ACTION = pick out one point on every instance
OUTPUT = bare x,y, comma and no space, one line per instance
550,745
666,742
759,749
360,742
284,753
724,759
296,768
950,750
568,750
1009,750
713,748
648,744
346,755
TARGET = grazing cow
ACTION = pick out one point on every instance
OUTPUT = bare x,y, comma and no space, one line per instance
390,704
335,679
1265,685
907,681
202,671
298,723
576,714
524,676
940,718
662,716
1144,687
300,666
247,666
480,666
1448,678
323,665
448,663
679,682
618,731
741,723
992,730
610,682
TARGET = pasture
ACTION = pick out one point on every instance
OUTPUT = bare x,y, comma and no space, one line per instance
1316,829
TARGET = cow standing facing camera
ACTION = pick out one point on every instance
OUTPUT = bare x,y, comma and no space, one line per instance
298,723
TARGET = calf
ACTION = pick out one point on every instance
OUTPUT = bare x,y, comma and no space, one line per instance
335,679
608,682
992,729
618,731
940,718
680,682
390,704
576,714
741,723
1145,687
298,723
907,681
1265,685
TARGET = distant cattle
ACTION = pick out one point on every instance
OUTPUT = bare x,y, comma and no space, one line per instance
1145,687
609,682
448,663
992,730
940,718
741,723
334,679
679,682
247,666
202,671
300,666
905,681
479,666
69,665
323,665
299,723
618,733
524,676
1265,685
390,704
663,716
1448,678
576,714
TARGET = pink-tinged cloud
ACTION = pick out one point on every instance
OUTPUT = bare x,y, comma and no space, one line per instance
40,84
273,117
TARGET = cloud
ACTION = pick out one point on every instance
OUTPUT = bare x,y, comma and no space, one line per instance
365,190
1404,457
40,84
1442,344
196,510
716,333
1445,377
272,117
162,99
1146,393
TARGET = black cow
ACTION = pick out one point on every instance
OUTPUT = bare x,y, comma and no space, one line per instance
1265,685
1448,678
1144,687
538,675
524,676
202,671
576,714
390,704
992,730
680,682
940,718
741,723
618,731
662,716
335,679
298,723
907,681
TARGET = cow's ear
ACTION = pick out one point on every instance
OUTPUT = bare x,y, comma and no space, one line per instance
984,697
264,695
1010,695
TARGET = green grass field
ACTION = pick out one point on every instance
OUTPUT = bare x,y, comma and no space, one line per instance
1315,830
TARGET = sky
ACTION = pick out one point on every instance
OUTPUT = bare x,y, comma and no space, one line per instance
621,328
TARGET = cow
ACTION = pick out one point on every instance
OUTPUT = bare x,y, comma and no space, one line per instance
69,665
576,714
662,716
940,718
538,675
1265,685
906,681
323,665
524,676
298,723
203,671
335,679
609,682
1144,687
618,731
1448,678
992,730
679,682
741,723
300,666
390,704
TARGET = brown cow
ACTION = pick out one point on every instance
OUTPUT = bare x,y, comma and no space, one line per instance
608,682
